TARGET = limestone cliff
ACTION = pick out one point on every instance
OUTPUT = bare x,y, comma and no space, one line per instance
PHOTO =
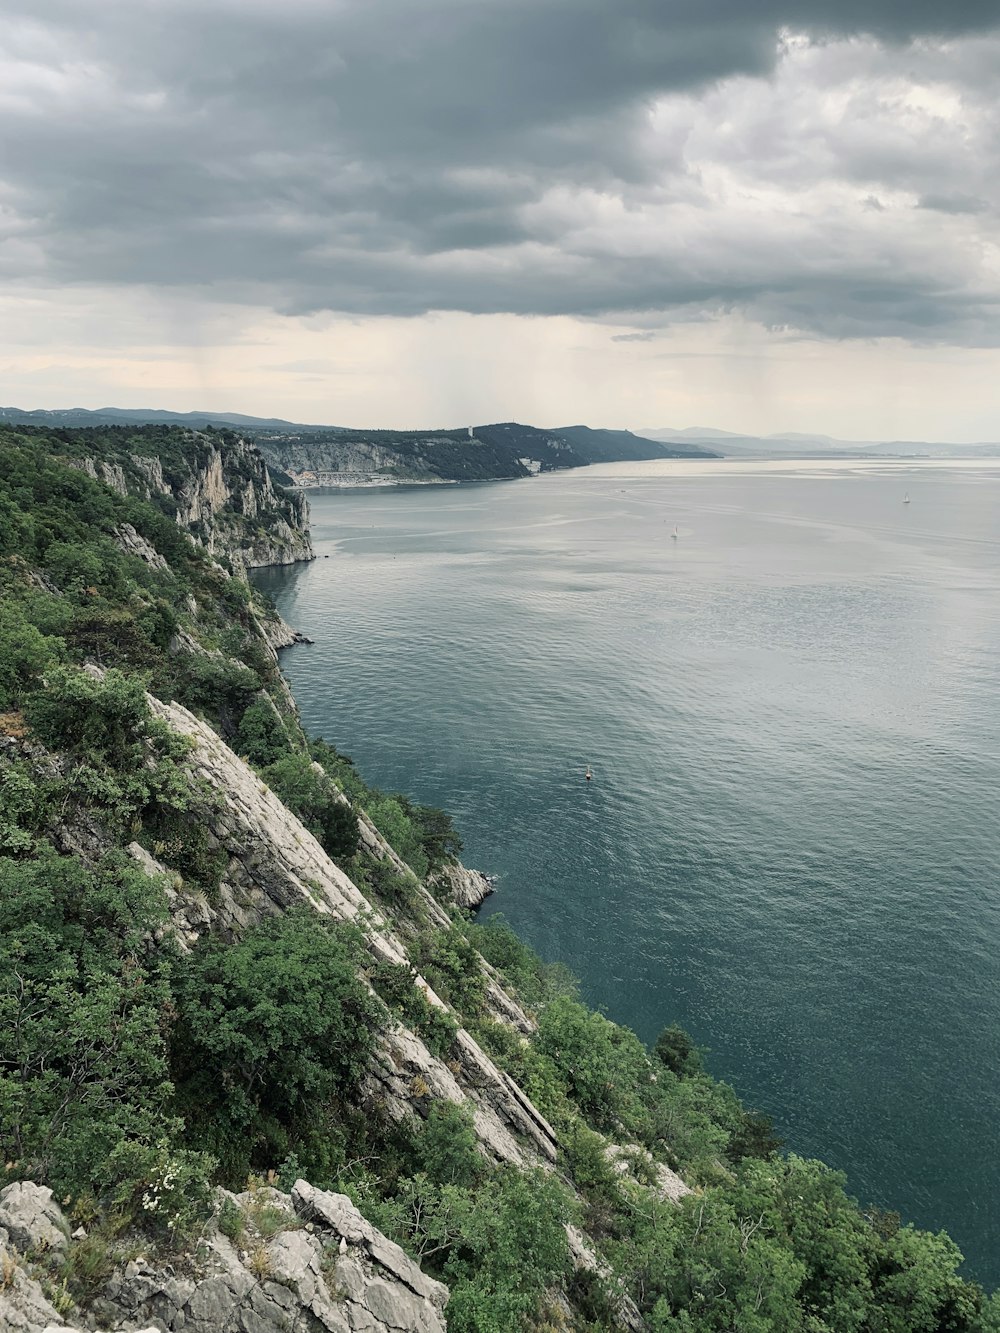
503,450
221,492
275,863
268,1263
479,453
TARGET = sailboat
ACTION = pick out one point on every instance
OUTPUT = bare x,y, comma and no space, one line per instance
675,534
906,498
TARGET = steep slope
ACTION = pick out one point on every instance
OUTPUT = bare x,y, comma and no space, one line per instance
346,457
338,456
502,451
251,1042
479,453
217,484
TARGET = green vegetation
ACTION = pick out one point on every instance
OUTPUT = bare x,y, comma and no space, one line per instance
269,1032
424,837
135,1075
448,454
83,1065
311,795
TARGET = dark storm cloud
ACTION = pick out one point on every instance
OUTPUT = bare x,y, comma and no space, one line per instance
954,203
385,157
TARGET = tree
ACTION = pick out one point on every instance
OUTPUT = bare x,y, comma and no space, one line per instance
25,655
82,1056
675,1049
269,1029
261,735
309,793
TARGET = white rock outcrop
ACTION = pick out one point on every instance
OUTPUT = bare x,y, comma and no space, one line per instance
31,1218
468,888
275,863
225,499
133,543
319,1266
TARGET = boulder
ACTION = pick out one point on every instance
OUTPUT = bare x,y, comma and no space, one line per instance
325,1270
31,1219
468,888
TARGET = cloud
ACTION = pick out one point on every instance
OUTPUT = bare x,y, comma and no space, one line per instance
648,160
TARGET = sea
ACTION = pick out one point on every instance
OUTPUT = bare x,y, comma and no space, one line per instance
784,678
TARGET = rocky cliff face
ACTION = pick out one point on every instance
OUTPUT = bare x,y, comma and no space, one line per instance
307,1262
275,863
223,494
323,1266
351,456
480,453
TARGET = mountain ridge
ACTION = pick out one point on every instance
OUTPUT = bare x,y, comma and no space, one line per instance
799,444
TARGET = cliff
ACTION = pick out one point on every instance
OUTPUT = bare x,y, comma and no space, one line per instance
269,1262
217,484
259,1072
501,451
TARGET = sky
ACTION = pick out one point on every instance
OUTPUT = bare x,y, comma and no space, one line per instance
769,216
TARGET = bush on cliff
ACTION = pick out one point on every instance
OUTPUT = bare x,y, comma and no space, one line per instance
84,1001
270,1030
310,795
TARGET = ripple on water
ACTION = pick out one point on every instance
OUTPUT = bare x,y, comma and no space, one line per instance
791,843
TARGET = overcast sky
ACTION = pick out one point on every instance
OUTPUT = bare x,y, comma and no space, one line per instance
762,215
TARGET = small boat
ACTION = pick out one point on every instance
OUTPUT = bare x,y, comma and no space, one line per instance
588,775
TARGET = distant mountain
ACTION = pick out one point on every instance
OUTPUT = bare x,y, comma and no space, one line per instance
799,438
310,455
118,416
793,444
688,433
504,449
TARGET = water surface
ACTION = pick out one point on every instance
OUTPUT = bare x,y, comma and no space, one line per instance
791,843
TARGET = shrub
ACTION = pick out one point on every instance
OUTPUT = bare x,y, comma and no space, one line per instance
447,1147
604,1066
310,795
82,1059
232,1223
513,1247
452,966
164,1186
261,735
396,984
388,815
25,655
675,1049
269,1029
518,964
216,686
105,719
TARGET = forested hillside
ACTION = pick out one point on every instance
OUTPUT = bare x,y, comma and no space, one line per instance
272,1073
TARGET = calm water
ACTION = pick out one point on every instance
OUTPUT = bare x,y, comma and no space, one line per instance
791,844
